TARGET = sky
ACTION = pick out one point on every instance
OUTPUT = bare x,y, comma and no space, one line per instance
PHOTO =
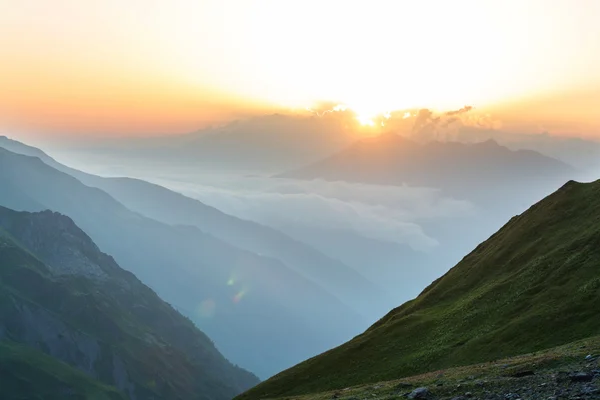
142,67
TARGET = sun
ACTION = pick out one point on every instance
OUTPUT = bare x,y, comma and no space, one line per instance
365,120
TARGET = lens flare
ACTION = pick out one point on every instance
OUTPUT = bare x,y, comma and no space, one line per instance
238,297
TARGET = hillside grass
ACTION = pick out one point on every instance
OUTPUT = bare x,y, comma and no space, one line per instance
26,373
453,381
533,285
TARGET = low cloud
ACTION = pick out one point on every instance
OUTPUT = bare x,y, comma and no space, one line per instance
390,213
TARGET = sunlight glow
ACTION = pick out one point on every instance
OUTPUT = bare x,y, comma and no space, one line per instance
365,121
166,65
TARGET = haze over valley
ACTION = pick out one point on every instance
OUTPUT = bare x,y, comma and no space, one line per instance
299,200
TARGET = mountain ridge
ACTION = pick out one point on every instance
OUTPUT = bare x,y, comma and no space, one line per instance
468,170
233,295
164,205
60,295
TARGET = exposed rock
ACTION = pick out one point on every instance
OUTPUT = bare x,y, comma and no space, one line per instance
61,296
581,377
121,378
420,393
590,390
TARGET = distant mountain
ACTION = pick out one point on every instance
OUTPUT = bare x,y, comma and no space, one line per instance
238,298
479,171
581,153
61,297
164,205
393,266
533,285
268,143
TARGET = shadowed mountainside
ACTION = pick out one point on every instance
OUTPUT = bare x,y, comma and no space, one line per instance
236,297
170,207
60,295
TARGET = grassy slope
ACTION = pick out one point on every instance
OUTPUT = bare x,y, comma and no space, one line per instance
484,379
532,285
26,373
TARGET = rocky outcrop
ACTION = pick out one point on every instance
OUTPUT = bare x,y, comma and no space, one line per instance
59,294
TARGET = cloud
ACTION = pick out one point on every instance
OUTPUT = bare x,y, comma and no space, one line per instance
427,126
463,110
390,213
484,121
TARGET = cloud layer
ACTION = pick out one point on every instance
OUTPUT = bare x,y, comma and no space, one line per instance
389,213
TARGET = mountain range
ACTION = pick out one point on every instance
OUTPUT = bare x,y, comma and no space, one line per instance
269,143
532,285
581,153
479,171
235,296
73,324
240,281
164,205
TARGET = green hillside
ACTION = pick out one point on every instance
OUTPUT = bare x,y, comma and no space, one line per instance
532,285
29,374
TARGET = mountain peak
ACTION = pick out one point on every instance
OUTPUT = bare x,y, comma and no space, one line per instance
489,143
61,244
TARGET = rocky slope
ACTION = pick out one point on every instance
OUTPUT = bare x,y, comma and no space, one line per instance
532,285
60,295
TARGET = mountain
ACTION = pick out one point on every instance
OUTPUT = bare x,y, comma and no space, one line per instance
393,266
238,298
532,285
170,207
579,152
480,171
268,143
68,308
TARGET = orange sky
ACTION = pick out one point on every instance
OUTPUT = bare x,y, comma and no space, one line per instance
138,67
